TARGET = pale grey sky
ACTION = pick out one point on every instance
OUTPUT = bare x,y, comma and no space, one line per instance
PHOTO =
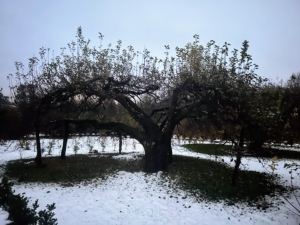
271,26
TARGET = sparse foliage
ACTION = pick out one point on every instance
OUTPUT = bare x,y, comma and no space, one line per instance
145,98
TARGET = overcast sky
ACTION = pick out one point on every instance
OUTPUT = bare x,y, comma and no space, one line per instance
271,26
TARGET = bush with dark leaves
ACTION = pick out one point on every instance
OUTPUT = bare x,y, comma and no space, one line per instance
18,210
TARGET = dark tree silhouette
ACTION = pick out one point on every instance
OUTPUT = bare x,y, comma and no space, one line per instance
155,94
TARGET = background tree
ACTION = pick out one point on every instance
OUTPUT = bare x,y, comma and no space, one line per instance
11,127
236,87
290,108
4,100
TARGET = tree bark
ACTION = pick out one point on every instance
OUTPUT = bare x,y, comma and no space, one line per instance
241,143
157,144
256,147
236,169
156,156
38,157
257,138
170,154
238,160
120,143
65,140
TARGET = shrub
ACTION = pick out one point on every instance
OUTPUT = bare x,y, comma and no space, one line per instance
18,210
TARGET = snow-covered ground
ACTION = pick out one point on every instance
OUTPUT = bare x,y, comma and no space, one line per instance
139,198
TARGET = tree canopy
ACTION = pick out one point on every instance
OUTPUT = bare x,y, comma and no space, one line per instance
154,95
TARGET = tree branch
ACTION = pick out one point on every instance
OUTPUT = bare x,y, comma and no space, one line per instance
158,110
138,115
111,126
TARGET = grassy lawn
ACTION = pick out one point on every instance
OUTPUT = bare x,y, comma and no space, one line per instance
204,179
210,149
210,180
75,168
226,150
288,154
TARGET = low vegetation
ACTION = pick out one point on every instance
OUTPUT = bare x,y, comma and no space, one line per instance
203,179
226,150
75,169
288,154
18,209
210,180
210,149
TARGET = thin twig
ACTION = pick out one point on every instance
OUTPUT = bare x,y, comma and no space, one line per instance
292,205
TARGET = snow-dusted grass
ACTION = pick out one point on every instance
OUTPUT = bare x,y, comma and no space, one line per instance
139,198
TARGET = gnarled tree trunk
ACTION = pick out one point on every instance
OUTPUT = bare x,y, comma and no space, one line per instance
238,160
236,169
158,154
38,157
256,147
65,140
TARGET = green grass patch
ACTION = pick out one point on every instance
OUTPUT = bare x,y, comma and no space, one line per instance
226,150
74,169
203,179
210,180
287,154
210,149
